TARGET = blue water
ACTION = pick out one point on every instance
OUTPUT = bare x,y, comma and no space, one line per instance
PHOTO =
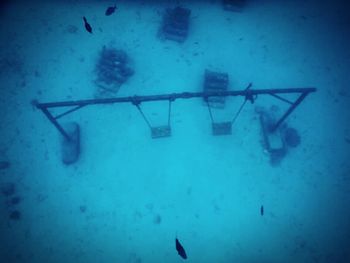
128,196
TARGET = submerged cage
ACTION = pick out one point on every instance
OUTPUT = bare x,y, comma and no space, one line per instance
161,131
112,70
215,81
175,24
276,142
273,142
222,128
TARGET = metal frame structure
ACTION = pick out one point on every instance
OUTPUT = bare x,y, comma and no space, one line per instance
248,93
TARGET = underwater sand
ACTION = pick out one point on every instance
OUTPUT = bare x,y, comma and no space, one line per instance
128,196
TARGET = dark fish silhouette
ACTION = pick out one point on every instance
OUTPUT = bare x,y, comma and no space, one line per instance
110,10
180,250
87,25
262,210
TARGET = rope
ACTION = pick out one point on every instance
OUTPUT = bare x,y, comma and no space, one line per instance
210,113
249,97
238,112
137,104
142,114
169,112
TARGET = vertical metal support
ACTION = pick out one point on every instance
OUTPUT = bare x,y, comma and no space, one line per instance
209,109
169,112
289,111
55,123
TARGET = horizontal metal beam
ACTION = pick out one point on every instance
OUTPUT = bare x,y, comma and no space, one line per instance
173,96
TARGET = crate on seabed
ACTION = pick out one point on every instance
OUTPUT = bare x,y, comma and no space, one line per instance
215,81
222,128
175,24
161,131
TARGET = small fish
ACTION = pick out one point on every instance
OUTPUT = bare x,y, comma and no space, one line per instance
110,10
87,25
262,210
180,250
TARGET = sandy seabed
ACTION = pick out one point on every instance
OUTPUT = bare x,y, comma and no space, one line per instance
128,196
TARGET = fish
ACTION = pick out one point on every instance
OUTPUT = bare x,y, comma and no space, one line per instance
110,10
180,250
262,210
87,25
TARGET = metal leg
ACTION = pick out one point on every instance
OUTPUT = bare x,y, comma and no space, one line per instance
289,111
55,123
